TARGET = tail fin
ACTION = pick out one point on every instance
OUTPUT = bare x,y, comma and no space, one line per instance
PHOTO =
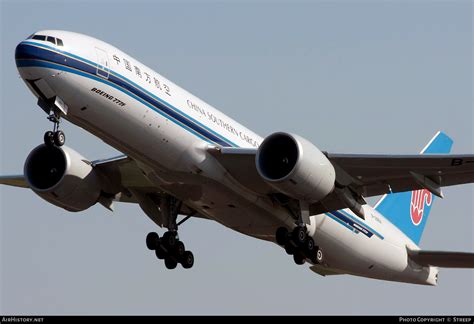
409,211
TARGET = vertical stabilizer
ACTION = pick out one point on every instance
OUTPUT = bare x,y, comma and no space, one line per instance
409,211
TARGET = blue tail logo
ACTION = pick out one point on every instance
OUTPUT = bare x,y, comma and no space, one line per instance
409,210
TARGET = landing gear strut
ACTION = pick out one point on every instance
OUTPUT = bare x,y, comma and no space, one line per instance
55,137
169,247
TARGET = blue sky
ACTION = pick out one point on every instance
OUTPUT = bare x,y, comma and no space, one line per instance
351,76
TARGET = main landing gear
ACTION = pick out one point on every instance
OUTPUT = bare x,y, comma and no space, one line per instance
171,249
55,137
299,244
168,247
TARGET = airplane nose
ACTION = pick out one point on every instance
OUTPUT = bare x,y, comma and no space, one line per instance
19,50
25,57
21,53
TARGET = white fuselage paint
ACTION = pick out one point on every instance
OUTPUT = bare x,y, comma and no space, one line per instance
171,153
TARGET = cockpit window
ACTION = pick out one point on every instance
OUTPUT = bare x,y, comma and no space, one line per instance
50,39
39,37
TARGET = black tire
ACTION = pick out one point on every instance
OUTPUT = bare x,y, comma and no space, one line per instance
160,253
299,235
152,241
281,235
169,240
298,258
179,249
49,138
59,138
310,246
187,260
289,249
170,263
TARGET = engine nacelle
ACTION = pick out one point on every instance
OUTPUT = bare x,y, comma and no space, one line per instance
61,176
295,167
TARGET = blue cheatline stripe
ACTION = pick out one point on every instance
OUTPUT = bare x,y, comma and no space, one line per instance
342,211
91,67
349,222
37,63
27,52
341,222
57,50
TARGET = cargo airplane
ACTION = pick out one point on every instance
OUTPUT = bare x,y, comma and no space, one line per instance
183,158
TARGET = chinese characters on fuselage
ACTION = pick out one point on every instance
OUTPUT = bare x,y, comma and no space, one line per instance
163,87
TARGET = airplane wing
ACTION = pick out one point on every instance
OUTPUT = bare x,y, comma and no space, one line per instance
443,259
373,175
126,181
136,188
14,180
124,174
363,174
120,170
240,163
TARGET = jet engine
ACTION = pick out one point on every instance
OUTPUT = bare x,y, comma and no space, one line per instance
295,167
62,177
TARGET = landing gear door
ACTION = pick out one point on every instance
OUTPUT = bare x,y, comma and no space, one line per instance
103,68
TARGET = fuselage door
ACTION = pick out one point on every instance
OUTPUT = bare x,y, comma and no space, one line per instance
103,67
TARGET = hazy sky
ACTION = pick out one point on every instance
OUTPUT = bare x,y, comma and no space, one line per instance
362,77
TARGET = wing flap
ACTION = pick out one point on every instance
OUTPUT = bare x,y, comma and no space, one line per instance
443,259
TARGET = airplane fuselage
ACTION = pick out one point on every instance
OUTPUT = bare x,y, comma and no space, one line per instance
167,131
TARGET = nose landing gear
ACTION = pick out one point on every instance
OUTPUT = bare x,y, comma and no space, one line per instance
55,137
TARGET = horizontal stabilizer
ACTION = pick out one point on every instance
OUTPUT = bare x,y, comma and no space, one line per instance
443,259
14,180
